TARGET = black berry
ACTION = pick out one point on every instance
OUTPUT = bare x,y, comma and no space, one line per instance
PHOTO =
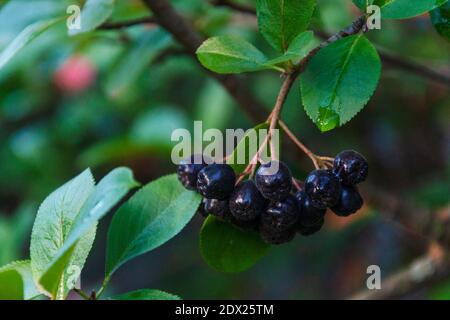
349,202
218,208
274,185
323,188
311,229
309,215
216,181
246,202
270,236
188,170
280,215
201,209
350,167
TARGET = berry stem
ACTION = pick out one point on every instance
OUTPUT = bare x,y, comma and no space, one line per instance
314,158
275,115
296,184
82,294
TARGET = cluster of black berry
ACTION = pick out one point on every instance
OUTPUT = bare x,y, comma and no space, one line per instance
267,204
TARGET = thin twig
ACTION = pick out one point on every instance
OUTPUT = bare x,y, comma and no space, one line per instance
82,294
422,273
235,6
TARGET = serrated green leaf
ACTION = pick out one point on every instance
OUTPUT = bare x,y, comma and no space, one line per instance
335,94
93,14
298,49
404,9
231,54
243,154
280,21
109,191
154,215
52,226
440,18
25,37
145,294
229,249
16,281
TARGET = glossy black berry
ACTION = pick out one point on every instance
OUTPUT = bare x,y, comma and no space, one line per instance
349,202
246,202
350,167
323,188
274,184
270,236
217,208
246,225
188,170
309,215
216,181
201,209
311,229
280,215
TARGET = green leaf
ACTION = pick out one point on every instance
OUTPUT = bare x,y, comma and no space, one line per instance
440,17
25,37
363,4
16,281
93,14
109,191
154,215
145,294
140,53
52,226
247,148
229,249
280,21
230,54
298,49
335,94
404,9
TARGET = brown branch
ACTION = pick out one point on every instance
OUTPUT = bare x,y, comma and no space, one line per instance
421,274
413,67
168,18
430,225
233,5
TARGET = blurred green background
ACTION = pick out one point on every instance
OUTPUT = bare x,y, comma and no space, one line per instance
112,97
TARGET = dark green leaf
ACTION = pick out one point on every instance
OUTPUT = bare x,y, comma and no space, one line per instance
140,54
154,215
403,9
440,17
335,94
230,54
280,21
298,49
229,249
16,281
93,14
363,4
146,294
